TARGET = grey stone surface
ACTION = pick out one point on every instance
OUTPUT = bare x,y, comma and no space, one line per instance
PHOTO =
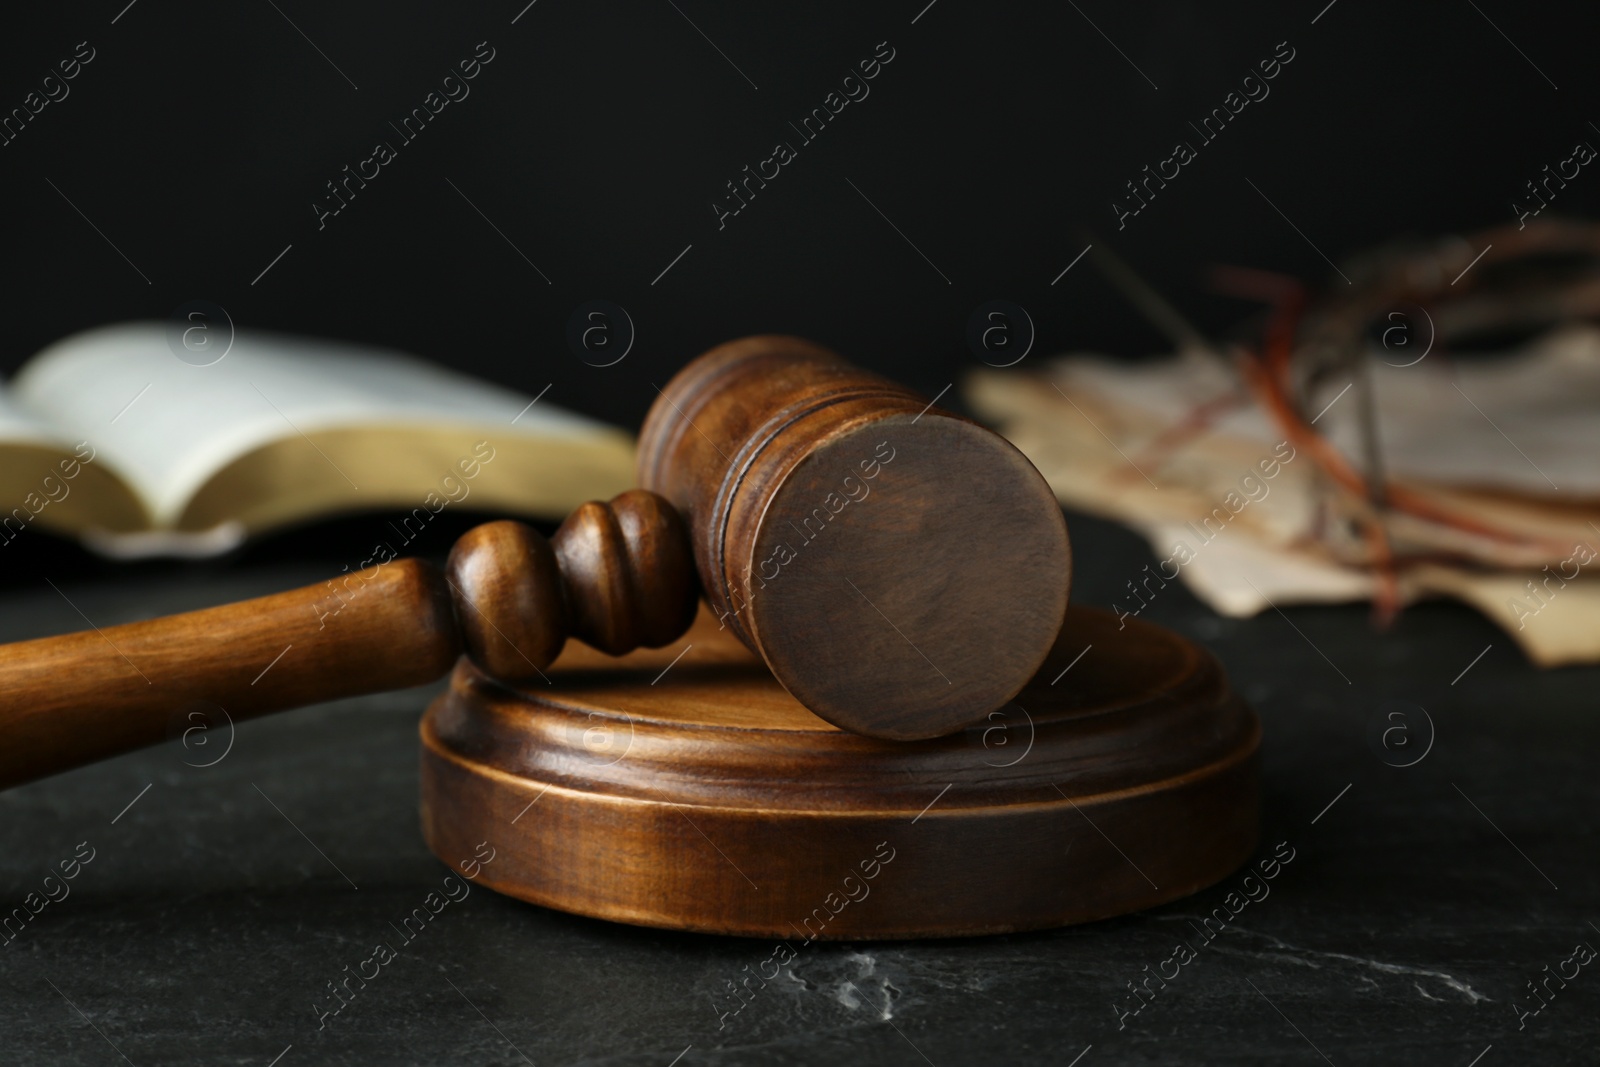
220,904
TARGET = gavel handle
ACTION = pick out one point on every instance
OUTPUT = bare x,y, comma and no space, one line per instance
70,700
616,575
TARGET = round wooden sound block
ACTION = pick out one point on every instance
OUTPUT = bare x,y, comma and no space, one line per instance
694,793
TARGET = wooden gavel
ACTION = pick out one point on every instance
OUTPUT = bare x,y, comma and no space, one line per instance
902,570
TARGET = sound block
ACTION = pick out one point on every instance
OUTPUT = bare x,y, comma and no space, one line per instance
688,790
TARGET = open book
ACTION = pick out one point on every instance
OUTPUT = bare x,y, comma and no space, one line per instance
110,436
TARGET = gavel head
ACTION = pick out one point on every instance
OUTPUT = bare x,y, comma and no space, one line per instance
902,570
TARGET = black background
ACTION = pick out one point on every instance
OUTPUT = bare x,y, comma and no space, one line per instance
201,134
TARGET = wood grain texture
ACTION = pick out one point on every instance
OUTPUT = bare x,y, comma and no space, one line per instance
628,573
66,701
617,574
902,570
709,799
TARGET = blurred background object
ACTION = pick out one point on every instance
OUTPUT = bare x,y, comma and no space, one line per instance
243,434
1460,461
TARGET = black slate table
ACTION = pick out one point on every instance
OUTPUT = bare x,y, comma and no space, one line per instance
221,901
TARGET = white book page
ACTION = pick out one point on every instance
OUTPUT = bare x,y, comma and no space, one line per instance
167,426
18,426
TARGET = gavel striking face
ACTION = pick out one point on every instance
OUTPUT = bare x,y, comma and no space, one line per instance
903,572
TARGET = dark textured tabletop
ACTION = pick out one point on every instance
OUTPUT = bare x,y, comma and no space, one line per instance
1435,912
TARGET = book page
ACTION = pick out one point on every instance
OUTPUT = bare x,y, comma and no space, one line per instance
50,480
169,426
17,426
